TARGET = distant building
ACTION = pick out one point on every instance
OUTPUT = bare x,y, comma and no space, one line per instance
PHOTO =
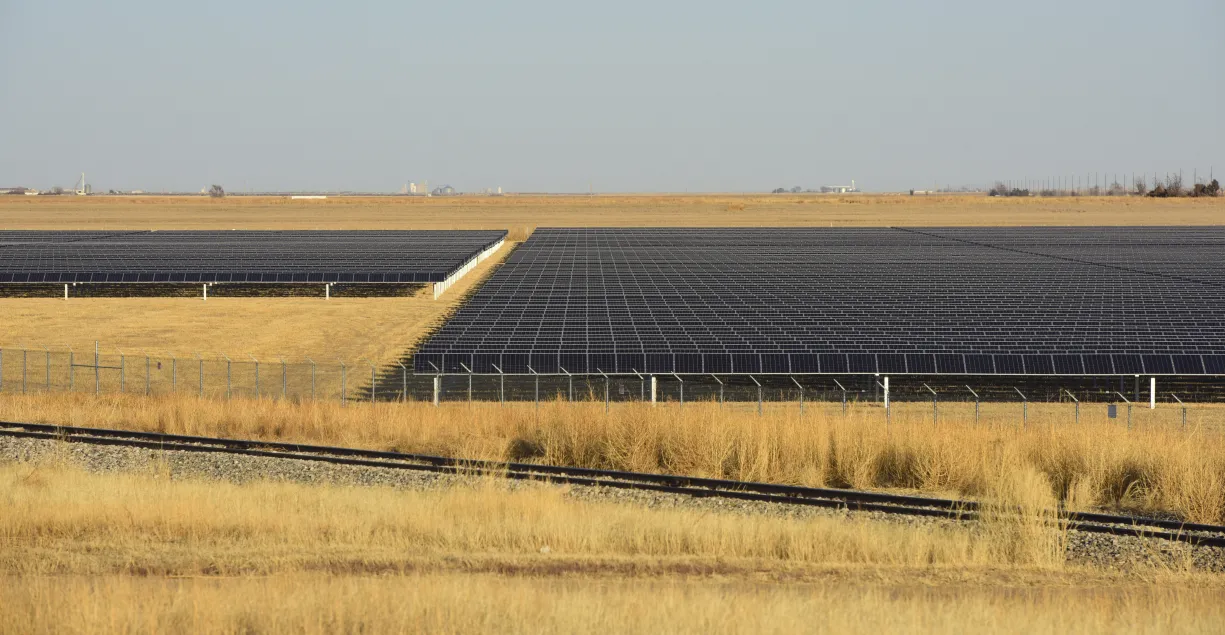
16,190
839,189
445,190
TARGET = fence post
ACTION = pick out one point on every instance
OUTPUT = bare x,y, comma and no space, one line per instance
1128,407
569,382
1024,407
48,377
537,376
312,363
1,370
501,385
843,389
975,404
1069,393
654,387
437,384
642,385
797,385
24,354
147,367
720,390
1184,410
97,372
404,383
72,371
374,387
201,378
465,367
682,381
228,375
174,375
344,387
935,406
605,389
257,396
284,380
1152,393
759,396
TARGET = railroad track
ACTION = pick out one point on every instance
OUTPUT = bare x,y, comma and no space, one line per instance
855,500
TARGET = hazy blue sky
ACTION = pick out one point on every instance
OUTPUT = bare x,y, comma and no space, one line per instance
625,96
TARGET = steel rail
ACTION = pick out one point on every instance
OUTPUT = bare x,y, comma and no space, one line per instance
1122,525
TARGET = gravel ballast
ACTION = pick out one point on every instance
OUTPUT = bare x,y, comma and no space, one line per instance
1099,550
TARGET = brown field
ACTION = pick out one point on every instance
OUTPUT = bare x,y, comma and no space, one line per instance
1157,466
522,213
143,553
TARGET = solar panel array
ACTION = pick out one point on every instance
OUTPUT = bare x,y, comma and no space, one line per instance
1034,301
418,256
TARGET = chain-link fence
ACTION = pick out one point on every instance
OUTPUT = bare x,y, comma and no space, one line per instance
1125,398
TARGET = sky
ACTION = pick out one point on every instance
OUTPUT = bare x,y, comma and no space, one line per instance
626,96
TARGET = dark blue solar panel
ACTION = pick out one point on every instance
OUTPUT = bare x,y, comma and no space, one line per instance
1034,300
373,256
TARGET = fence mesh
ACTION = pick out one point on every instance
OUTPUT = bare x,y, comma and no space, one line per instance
1194,400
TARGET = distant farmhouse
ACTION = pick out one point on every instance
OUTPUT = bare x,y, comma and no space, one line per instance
839,189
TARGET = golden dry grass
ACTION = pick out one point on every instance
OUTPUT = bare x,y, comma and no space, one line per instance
1156,466
522,213
492,603
378,329
162,555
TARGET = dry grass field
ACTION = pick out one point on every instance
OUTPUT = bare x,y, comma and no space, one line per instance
144,553
522,213
1157,466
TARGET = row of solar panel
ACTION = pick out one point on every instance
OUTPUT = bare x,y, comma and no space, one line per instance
824,363
220,277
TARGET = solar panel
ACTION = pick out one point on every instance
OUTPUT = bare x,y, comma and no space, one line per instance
418,256
1032,301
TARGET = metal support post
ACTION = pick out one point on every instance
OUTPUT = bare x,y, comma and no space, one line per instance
843,389
642,385
201,374
654,386
327,291
759,395
72,371
65,291
682,383
975,404
228,376
1024,406
344,385
935,407
205,296
437,389
404,381
284,379
569,384
147,368
537,376
605,389
720,390
48,377
1136,394
885,386
174,375
1068,393
1152,393
257,395
122,372
1184,410
797,385
374,386
97,373
501,385
465,367
1128,408
313,366
24,355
